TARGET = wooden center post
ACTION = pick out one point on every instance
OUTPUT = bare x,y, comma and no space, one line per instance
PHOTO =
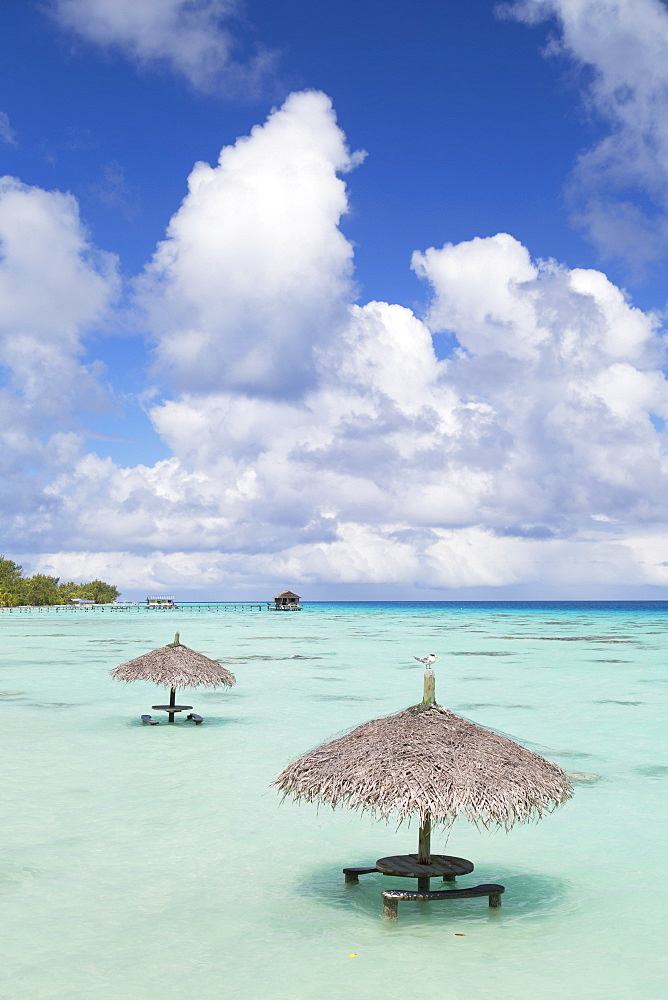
424,836
424,852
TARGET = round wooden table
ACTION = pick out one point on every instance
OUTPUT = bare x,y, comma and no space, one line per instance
407,866
171,709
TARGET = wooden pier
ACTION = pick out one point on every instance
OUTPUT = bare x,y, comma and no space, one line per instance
224,606
220,606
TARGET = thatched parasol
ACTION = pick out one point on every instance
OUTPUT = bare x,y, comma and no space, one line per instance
430,763
175,666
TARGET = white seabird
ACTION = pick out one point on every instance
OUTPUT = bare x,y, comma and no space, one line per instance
427,660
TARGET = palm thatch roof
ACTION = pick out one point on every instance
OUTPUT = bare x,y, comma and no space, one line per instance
429,763
175,666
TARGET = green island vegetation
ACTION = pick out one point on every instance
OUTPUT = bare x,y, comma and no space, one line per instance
17,589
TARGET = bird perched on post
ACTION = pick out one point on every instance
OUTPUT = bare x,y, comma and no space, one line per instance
427,660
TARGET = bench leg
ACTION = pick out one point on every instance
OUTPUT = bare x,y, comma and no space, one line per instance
352,877
495,900
390,908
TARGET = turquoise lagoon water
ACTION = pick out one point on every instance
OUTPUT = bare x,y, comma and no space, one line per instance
141,862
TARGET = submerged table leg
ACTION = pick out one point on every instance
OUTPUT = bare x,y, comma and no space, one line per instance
449,878
423,883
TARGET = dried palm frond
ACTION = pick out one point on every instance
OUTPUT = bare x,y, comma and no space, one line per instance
175,666
429,763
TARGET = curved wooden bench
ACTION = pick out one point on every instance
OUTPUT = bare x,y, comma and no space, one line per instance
352,874
392,897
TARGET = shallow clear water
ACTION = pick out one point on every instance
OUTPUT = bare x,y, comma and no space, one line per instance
138,862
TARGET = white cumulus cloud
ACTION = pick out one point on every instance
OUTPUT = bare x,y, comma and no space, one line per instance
254,273
621,45
317,441
54,289
196,39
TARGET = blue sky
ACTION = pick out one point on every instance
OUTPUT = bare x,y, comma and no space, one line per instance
404,340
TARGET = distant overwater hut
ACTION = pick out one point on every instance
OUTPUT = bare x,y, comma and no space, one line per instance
287,601
160,602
